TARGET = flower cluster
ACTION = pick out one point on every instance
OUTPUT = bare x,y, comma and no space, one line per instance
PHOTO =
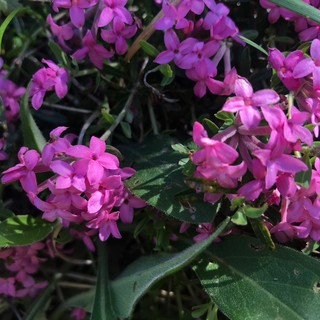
10,95
306,28
51,78
198,57
111,16
86,187
21,264
258,157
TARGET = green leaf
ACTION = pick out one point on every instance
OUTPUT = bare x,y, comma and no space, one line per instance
7,21
250,34
60,55
252,44
180,148
23,230
262,232
248,282
149,49
239,218
252,212
126,129
32,135
166,70
300,7
227,117
303,178
159,181
210,126
135,281
103,304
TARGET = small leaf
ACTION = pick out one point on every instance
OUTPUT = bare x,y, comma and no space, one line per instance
60,54
252,212
250,34
210,126
180,148
166,70
148,48
262,232
199,311
126,129
32,135
23,230
227,117
239,218
107,116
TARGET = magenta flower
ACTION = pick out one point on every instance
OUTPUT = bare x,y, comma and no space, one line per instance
76,9
172,16
285,66
10,94
48,79
62,33
94,159
174,48
24,171
277,162
246,102
202,74
118,35
97,53
195,6
307,66
107,224
113,9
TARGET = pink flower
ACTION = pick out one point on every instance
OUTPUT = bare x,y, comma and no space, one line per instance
94,159
97,53
48,79
118,35
76,9
113,9
62,33
246,102
285,66
24,172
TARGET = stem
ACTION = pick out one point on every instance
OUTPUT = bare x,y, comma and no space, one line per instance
290,103
127,105
60,254
153,118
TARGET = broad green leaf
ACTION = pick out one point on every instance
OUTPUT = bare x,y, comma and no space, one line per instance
126,129
32,135
180,148
134,282
166,70
23,230
38,306
227,117
103,305
299,7
148,48
160,182
248,281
